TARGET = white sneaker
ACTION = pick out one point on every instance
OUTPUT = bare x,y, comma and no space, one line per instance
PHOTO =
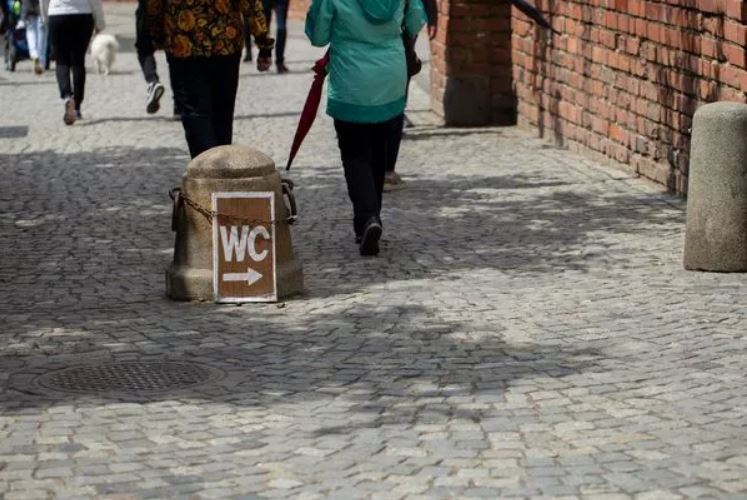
155,92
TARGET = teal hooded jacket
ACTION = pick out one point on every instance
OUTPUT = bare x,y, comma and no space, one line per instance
367,68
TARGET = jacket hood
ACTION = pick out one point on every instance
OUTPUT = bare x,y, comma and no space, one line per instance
380,11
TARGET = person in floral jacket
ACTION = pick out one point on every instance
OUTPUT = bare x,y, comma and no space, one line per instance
203,40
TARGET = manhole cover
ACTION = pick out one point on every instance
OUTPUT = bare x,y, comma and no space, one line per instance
130,378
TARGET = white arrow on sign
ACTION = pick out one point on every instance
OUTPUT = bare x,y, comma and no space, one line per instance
250,276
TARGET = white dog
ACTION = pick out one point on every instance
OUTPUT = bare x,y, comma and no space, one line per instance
104,49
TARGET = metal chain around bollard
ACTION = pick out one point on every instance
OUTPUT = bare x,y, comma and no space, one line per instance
227,169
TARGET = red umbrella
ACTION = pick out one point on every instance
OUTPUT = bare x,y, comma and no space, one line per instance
308,115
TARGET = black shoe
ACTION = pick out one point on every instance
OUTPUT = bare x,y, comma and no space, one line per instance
248,57
282,68
370,237
155,92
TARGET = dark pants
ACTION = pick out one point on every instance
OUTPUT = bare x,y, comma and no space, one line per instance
205,88
70,35
364,148
281,10
394,141
144,45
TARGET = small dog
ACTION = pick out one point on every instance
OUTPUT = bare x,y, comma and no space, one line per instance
104,50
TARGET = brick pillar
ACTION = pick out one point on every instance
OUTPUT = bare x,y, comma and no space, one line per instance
471,75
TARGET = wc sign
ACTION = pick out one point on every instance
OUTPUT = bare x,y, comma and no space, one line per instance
244,247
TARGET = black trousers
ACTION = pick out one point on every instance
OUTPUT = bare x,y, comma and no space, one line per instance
144,45
205,88
364,148
281,35
394,141
70,35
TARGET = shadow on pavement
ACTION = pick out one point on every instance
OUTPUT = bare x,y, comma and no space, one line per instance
15,83
100,284
161,117
427,133
373,358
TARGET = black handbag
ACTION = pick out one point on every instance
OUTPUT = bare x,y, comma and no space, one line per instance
414,64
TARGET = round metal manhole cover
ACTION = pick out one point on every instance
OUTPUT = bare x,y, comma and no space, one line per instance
129,378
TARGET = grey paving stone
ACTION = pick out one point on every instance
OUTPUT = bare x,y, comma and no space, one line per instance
528,330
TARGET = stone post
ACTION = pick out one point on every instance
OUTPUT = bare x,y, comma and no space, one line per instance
716,238
228,169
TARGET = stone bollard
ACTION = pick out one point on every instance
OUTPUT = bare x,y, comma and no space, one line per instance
228,169
716,237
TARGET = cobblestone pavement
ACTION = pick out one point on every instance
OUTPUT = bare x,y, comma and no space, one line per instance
528,330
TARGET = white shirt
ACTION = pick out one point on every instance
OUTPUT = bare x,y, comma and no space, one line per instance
67,7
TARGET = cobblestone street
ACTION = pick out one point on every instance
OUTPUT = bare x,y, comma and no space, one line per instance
527,331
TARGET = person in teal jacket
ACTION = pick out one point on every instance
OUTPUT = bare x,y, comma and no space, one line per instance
366,93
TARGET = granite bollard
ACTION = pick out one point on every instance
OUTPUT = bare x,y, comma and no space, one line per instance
716,235
224,169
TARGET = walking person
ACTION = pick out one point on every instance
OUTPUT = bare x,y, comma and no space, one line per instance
203,41
392,180
366,93
281,32
146,57
36,34
71,25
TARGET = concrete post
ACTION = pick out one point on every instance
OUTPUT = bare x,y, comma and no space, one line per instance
716,238
228,169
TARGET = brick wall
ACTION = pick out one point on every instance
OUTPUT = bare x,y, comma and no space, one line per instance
471,63
627,75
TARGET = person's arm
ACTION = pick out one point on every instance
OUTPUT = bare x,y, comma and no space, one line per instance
98,15
431,12
254,16
319,22
44,10
153,21
414,18
4,12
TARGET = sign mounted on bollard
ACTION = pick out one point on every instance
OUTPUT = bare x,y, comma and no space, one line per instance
244,257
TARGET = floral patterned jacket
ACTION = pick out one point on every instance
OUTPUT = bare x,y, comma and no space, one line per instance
204,28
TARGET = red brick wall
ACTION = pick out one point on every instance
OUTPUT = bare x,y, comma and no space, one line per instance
627,75
471,63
